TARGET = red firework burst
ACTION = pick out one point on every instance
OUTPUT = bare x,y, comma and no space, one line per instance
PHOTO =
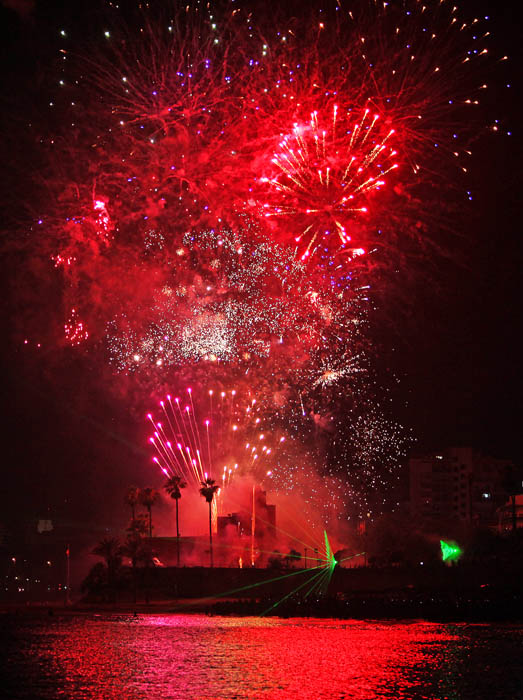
326,172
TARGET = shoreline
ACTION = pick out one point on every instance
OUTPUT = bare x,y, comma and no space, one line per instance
507,610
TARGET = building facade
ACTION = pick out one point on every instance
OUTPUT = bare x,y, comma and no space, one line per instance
510,514
458,485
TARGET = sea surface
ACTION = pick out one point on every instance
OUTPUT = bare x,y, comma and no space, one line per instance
158,657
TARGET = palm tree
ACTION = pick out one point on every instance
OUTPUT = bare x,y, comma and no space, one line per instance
138,525
208,489
132,498
137,551
173,487
291,558
110,549
148,498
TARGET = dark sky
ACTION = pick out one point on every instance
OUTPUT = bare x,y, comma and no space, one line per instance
70,448
461,354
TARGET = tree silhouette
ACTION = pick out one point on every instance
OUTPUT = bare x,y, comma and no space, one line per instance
207,490
132,498
292,558
173,487
138,552
111,550
148,497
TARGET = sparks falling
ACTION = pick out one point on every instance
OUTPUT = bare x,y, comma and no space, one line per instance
222,189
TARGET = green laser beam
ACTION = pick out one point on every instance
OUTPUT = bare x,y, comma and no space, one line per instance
328,551
319,584
275,527
450,551
246,547
295,590
320,581
253,585
352,556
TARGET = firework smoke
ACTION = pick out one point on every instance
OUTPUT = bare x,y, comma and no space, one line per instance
224,189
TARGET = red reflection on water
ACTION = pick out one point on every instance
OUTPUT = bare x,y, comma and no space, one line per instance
161,657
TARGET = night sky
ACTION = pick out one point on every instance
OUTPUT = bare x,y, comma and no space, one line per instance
70,449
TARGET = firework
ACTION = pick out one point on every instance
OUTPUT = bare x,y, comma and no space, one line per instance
75,330
189,111
228,441
225,300
224,189
326,172
235,299
375,445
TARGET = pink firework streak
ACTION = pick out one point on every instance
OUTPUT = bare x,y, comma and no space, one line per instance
228,441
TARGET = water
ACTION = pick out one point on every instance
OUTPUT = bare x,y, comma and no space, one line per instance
159,657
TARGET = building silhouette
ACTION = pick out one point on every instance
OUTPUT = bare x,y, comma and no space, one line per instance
459,485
